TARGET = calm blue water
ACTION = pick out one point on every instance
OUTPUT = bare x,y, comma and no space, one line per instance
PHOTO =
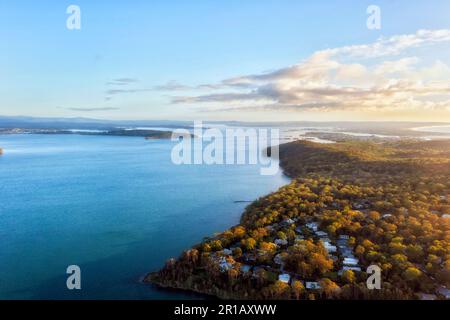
115,206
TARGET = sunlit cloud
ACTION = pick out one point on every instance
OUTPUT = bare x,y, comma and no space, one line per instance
384,75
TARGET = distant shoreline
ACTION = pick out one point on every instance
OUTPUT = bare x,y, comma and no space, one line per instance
147,134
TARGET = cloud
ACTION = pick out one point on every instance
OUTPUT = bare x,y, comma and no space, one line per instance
401,65
172,86
122,81
120,91
394,45
345,78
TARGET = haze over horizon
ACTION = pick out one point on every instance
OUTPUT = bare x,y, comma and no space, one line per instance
222,61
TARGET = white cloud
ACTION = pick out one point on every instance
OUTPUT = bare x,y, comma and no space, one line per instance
347,78
395,66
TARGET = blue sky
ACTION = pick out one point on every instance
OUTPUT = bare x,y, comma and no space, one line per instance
48,70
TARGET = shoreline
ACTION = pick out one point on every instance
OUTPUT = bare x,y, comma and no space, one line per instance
214,267
153,278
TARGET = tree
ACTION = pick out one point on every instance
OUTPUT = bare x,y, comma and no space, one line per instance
297,288
216,245
237,252
412,274
249,243
328,287
280,290
348,276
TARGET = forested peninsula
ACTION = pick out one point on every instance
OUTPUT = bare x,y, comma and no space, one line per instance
350,205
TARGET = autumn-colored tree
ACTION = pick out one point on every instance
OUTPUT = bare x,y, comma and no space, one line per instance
412,274
348,276
297,289
280,290
249,243
328,287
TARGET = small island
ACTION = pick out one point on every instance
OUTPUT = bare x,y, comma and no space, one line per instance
350,205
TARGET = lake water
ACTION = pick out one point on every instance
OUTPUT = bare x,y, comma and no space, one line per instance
434,129
115,206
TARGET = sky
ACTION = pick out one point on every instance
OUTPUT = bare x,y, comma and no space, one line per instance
252,60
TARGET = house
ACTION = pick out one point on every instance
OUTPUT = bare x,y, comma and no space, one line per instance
245,268
281,242
288,221
350,261
330,248
227,252
344,268
443,291
346,252
278,259
446,216
313,225
284,277
344,237
387,215
358,206
312,285
298,230
299,238
321,234
224,265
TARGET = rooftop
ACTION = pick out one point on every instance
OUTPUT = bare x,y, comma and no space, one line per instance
284,277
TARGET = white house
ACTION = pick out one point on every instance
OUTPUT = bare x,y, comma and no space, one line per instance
321,234
344,268
289,221
284,277
330,248
312,285
350,261
281,242
224,264
227,252
313,225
